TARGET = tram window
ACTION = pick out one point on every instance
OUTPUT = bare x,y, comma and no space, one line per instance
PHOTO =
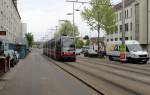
67,42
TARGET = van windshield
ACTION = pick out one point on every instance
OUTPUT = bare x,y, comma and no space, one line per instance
134,47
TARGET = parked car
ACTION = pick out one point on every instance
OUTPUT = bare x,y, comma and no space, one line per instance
16,57
90,53
78,51
13,57
85,48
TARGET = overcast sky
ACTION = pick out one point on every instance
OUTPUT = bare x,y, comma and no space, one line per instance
41,15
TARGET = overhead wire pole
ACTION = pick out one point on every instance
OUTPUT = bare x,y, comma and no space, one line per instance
123,22
123,46
73,13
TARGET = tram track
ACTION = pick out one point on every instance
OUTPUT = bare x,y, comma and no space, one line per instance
131,66
134,76
106,79
122,68
121,88
73,75
119,81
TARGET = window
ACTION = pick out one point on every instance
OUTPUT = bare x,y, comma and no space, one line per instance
120,39
127,14
131,12
116,29
107,40
131,26
137,25
127,38
120,28
112,39
126,27
116,39
120,16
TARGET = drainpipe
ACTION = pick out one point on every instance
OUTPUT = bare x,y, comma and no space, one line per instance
147,25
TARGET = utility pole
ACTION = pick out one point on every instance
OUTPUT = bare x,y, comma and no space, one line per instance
73,13
123,46
123,22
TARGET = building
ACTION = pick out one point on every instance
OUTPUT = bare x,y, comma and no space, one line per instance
10,20
148,24
137,22
23,29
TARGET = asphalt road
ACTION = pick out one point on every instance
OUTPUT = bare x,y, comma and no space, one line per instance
37,76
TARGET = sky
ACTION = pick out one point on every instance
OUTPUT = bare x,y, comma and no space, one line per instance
43,15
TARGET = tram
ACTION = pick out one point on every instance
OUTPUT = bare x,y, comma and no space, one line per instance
62,48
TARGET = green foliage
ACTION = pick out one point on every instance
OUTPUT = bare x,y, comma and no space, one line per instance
66,29
79,43
87,43
86,37
30,39
100,15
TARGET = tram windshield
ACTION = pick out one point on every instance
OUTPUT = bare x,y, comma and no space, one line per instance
68,44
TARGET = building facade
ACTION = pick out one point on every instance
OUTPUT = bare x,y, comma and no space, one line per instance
23,29
10,20
148,2
137,22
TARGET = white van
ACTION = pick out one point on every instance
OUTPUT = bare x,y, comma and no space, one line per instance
134,52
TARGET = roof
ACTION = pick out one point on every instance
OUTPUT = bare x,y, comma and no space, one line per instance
14,3
118,6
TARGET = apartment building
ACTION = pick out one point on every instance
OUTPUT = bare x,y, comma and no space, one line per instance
148,2
137,22
23,29
10,20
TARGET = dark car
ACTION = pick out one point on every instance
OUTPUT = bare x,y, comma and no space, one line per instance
90,53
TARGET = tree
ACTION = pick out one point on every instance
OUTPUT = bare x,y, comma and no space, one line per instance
86,37
87,43
100,15
30,39
79,43
67,29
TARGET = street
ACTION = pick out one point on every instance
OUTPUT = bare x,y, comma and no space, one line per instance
37,76
40,75
75,47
